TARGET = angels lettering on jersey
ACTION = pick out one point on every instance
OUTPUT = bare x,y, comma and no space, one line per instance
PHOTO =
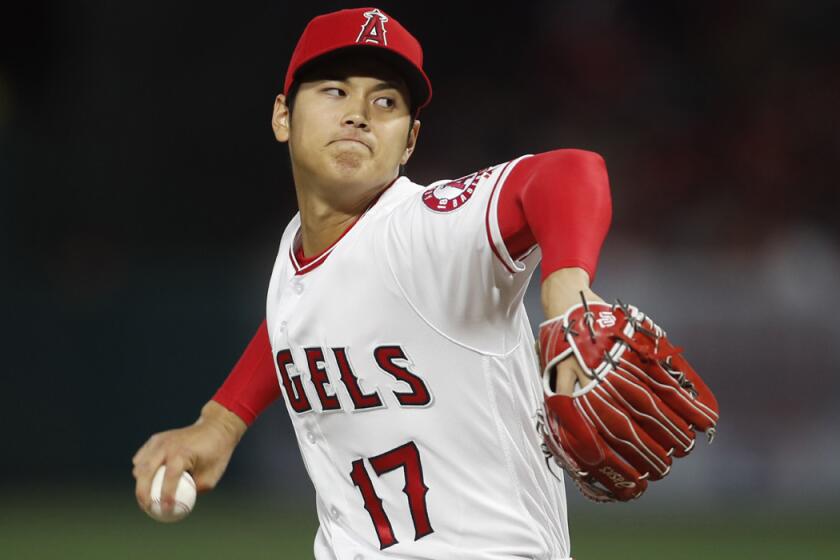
391,360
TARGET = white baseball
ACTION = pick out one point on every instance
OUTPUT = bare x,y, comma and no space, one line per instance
184,497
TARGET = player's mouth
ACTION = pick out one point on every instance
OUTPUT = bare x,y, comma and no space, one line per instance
353,140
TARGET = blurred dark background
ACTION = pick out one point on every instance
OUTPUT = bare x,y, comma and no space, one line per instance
144,196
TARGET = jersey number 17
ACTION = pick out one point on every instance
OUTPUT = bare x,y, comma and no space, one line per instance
406,456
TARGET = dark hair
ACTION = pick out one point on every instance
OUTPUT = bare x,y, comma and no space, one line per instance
290,103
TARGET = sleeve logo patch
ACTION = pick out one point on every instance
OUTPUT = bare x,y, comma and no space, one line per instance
451,195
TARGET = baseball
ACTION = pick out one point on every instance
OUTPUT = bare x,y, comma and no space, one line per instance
184,498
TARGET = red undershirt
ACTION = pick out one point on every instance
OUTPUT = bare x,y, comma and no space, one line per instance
559,200
303,261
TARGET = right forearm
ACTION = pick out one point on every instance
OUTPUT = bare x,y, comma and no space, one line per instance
252,383
217,415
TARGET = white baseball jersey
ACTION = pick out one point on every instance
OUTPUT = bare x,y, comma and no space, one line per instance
406,360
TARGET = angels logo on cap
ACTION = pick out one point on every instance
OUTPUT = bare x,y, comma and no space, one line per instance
363,29
373,30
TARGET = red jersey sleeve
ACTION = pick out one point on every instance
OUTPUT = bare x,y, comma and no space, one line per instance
252,383
559,200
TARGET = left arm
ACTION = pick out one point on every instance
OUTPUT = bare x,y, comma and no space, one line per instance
642,410
559,200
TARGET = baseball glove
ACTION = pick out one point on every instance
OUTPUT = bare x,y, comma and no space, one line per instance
639,410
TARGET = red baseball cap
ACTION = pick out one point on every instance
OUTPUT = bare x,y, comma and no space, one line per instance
368,28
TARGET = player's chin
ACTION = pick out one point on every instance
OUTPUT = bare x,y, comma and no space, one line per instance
353,164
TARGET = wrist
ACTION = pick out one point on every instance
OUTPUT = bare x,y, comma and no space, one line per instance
227,422
562,289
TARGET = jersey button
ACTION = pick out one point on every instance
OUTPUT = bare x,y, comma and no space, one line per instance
297,286
358,557
334,512
311,437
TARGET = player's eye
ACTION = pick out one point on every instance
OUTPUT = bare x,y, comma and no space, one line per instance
384,102
391,102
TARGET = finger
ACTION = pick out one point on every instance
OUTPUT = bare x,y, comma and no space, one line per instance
205,477
565,377
175,466
138,456
151,444
582,379
568,371
144,472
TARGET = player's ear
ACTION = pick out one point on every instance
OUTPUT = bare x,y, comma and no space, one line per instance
411,143
280,119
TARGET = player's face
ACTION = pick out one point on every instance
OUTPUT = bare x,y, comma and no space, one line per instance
350,125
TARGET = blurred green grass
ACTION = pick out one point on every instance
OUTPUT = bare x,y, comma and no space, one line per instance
110,526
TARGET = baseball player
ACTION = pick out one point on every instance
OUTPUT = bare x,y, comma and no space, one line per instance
396,335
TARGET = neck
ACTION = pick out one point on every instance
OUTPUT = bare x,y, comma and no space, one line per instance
324,216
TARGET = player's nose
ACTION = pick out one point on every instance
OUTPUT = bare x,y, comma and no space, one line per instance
356,112
356,119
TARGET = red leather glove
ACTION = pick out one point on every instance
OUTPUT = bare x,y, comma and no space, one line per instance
640,408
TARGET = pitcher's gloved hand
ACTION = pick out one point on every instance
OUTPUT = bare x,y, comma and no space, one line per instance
640,408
